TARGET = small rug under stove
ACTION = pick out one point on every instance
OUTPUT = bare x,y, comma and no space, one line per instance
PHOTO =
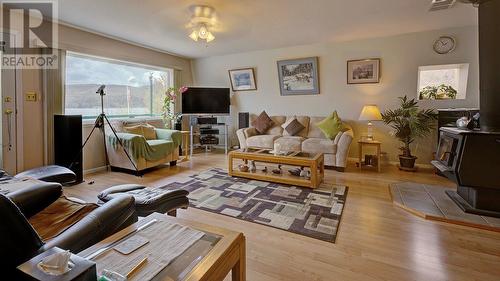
314,213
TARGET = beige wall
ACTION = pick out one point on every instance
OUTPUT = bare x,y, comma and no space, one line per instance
33,142
400,57
76,40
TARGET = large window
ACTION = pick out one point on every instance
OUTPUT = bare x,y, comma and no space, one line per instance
131,89
442,82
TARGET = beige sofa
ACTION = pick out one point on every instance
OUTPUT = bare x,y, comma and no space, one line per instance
118,158
311,139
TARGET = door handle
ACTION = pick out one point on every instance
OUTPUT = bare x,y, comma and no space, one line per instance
9,112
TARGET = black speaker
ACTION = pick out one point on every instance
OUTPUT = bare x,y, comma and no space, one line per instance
68,143
243,120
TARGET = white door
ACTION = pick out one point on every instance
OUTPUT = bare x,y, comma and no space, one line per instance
8,116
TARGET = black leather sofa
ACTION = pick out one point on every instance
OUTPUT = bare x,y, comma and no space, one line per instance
19,241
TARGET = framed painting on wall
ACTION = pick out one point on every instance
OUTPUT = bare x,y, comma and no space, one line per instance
242,79
363,71
299,76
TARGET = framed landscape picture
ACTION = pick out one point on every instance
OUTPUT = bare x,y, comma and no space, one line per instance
299,76
363,71
242,79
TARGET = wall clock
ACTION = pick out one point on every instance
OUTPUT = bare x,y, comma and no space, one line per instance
444,45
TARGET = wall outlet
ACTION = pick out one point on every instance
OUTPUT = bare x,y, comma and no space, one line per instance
30,96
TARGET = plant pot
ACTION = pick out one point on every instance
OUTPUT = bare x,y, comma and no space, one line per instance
406,162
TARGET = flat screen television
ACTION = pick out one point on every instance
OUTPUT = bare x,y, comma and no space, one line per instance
197,100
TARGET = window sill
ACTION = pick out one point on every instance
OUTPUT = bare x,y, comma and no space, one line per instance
90,122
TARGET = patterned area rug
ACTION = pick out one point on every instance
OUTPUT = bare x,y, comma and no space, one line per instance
314,213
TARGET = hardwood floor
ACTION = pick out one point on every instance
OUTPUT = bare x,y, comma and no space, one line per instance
376,240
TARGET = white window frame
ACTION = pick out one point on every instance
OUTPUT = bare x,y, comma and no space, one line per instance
123,62
462,79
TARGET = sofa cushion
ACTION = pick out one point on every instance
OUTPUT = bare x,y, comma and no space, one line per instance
289,143
136,130
331,125
262,141
303,120
292,127
276,129
159,143
262,123
314,131
148,132
319,145
145,130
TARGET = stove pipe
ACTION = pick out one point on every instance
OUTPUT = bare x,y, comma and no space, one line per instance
489,64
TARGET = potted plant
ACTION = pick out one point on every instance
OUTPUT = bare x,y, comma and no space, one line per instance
409,123
168,109
440,92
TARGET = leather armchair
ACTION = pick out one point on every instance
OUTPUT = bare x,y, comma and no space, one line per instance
19,241
33,199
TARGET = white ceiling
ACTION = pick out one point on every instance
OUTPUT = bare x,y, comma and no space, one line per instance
247,25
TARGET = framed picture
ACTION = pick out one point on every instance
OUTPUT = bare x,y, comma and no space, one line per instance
242,79
363,71
299,76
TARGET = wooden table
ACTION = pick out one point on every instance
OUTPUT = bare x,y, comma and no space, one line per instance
315,162
228,254
361,144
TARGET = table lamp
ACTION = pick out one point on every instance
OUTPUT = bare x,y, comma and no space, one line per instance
370,113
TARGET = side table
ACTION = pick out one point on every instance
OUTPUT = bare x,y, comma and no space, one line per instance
363,143
185,145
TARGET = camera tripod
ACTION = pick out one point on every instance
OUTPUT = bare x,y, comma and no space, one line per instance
100,124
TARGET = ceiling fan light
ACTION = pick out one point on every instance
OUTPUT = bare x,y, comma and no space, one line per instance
203,32
194,35
210,37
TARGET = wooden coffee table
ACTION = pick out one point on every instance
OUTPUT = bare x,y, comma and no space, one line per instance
199,262
312,161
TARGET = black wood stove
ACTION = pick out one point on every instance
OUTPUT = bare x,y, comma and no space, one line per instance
471,158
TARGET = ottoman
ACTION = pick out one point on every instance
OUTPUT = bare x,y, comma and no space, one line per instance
149,200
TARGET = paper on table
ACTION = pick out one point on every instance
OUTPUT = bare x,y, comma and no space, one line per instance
131,244
167,241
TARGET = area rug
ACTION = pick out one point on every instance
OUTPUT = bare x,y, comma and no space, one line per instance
314,213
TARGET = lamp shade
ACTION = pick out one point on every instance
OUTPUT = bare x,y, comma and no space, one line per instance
370,113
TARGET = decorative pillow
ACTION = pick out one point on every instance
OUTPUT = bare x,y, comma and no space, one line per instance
293,126
331,125
148,132
136,130
262,123
145,130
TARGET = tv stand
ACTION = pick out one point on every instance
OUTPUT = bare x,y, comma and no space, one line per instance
209,126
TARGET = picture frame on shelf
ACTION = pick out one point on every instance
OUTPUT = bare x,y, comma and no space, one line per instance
298,76
364,71
242,79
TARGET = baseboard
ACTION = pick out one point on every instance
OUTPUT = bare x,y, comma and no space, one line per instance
395,163
95,170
